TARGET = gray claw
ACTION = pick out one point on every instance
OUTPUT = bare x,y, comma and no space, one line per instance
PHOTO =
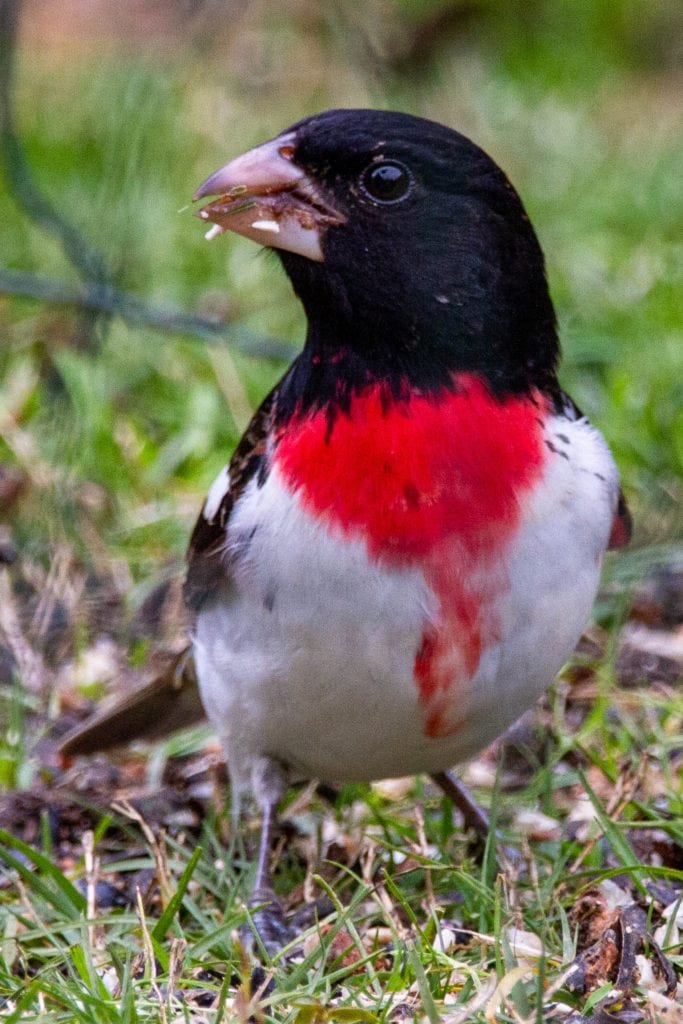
268,921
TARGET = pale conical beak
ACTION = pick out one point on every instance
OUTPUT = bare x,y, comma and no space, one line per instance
265,196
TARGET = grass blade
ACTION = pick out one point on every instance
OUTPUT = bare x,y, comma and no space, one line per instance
163,924
65,898
618,842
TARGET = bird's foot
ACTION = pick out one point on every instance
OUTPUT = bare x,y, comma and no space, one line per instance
508,858
477,819
267,928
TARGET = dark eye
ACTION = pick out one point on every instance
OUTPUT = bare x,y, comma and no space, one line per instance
386,182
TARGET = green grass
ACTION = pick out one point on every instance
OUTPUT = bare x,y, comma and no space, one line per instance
414,876
119,439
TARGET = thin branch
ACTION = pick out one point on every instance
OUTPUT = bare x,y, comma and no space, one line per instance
95,297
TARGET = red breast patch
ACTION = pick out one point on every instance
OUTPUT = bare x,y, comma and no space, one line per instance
434,481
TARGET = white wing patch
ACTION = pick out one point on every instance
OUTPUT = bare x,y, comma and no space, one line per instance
219,488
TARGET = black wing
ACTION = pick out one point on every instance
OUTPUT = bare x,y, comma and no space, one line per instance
170,700
207,569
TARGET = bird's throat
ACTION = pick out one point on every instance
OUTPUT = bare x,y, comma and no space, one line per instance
405,473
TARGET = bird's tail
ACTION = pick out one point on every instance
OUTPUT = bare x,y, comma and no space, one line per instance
170,701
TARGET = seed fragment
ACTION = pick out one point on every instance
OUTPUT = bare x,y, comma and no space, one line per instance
267,225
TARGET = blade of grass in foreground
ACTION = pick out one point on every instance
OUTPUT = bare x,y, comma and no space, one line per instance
65,897
163,924
619,843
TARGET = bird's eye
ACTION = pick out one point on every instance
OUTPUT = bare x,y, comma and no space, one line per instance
386,182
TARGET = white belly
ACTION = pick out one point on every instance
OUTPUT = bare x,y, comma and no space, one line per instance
310,658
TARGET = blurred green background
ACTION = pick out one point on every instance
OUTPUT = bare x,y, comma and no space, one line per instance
111,431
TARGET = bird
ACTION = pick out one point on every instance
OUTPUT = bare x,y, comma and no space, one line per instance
407,542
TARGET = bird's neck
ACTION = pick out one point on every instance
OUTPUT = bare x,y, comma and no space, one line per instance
415,340
341,360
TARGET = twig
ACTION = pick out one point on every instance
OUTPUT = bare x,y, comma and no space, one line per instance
423,849
124,807
134,310
175,969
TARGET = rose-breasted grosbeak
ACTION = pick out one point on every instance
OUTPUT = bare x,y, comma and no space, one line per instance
407,542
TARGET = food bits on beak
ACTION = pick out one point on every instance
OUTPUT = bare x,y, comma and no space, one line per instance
267,225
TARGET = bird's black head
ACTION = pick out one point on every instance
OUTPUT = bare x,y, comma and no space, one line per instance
417,259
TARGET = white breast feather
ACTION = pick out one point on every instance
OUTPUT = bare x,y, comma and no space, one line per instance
311,659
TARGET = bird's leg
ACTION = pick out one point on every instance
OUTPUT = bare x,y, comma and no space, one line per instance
457,792
474,815
267,915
